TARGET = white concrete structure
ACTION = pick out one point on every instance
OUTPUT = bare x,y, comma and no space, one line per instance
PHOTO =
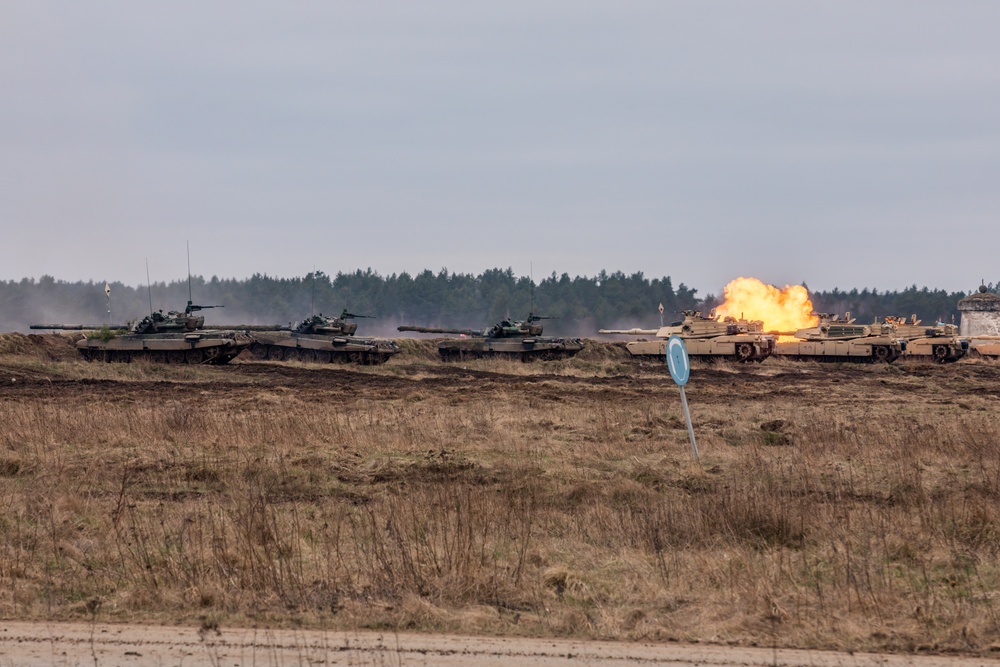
980,314
981,321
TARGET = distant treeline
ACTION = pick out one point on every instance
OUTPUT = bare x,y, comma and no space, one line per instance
580,305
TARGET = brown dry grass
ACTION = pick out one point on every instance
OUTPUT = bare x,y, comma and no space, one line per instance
847,507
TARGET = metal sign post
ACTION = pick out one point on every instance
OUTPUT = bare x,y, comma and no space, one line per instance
680,370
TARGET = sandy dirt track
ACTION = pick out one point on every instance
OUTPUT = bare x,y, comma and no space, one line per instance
32,644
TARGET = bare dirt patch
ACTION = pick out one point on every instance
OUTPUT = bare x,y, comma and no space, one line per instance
35,645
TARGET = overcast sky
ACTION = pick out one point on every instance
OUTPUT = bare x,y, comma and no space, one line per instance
844,144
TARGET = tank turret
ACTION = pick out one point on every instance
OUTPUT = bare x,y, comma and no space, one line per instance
173,321
705,337
520,339
330,326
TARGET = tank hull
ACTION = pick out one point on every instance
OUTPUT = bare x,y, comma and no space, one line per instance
939,349
853,351
196,347
524,349
292,346
734,348
985,346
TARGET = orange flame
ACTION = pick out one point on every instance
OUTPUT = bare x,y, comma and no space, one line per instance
785,309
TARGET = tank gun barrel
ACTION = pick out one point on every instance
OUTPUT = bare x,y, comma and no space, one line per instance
259,327
351,316
437,330
192,307
629,332
80,327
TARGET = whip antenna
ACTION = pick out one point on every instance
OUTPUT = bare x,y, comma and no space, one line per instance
190,298
149,289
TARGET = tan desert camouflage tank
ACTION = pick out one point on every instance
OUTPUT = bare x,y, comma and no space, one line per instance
939,342
836,339
174,338
321,339
515,339
705,337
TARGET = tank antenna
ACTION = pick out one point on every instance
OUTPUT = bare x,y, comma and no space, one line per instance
149,289
190,297
531,277
312,294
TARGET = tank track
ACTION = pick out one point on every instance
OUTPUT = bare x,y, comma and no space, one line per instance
706,357
879,355
264,351
204,355
940,354
523,355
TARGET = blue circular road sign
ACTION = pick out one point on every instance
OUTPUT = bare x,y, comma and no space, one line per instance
677,360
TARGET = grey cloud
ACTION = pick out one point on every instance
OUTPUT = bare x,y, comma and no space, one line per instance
787,140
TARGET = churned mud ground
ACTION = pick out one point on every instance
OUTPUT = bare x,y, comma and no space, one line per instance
853,509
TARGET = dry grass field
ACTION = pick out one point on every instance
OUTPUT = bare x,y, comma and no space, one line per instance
834,506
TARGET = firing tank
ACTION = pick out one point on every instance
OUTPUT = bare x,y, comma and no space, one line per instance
321,339
840,339
939,342
514,339
705,337
174,338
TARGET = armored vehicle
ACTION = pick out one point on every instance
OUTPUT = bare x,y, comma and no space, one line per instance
705,337
939,342
515,339
174,338
836,339
322,339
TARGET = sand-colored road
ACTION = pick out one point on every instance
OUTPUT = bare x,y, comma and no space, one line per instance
35,644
